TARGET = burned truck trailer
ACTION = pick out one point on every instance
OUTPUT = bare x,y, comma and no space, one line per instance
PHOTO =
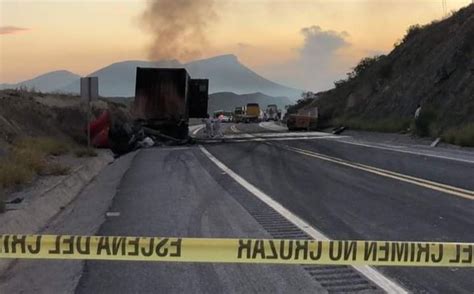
199,98
165,99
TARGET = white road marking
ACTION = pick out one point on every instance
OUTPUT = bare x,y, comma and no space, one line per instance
280,135
464,193
435,142
165,148
234,129
197,129
264,137
371,273
272,126
407,151
284,139
251,139
174,148
112,214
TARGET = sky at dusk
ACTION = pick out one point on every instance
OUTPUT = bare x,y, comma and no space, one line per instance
301,43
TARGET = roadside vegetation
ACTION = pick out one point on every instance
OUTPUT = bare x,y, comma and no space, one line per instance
41,133
2,201
388,125
429,66
362,67
45,145
427,124
29,157
463,136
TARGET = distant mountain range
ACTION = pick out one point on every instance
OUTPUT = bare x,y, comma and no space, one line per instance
49,82
226,74
228,101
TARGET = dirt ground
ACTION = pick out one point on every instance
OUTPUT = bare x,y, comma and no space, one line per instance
24,113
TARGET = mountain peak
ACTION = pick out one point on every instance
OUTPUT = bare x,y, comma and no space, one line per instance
61,71
225,72
226,59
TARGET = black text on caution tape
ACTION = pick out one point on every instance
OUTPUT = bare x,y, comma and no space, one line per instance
387,253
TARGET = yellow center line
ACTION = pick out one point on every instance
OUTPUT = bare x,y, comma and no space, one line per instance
464,193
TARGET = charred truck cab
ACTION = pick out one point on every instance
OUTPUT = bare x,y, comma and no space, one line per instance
165,99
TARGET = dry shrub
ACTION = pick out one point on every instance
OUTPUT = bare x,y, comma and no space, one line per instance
2,200
387,125
28,158
12,173
56,169
463,136
49,146
85,152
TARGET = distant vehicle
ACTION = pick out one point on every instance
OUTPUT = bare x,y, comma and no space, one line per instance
252,112
272,112
165,99
279,114
305,119
227,116
226,119
239,113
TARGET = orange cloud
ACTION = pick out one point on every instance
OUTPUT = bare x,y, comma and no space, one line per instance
6,30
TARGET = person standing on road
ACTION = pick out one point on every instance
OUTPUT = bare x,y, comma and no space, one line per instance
217,126
209,129
417,112
416,120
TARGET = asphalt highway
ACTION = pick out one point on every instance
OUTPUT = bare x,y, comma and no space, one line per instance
179,192
344,190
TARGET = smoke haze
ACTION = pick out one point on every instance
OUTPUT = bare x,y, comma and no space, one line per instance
318,62
177,27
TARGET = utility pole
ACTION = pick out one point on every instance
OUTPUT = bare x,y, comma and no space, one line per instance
445,7
89,93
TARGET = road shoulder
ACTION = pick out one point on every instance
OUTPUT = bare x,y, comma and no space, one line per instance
82,217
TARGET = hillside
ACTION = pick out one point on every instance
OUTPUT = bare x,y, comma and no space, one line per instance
225,72
433,66
33,114
229,101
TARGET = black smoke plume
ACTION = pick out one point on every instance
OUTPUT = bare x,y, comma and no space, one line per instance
177,27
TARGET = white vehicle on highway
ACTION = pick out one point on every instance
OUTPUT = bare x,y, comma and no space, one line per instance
226,118
271,113
223,116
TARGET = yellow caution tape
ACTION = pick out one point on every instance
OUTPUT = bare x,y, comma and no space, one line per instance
381,253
